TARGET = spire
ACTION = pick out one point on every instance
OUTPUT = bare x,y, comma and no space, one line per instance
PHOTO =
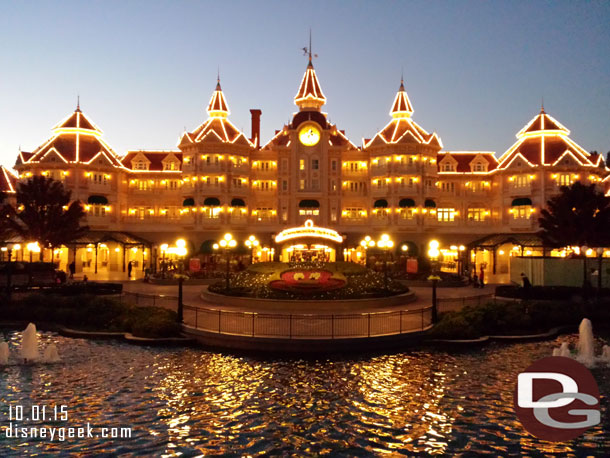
401,108
218,108
77,102
542,106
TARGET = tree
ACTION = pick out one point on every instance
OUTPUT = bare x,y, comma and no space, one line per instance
44,213
578,216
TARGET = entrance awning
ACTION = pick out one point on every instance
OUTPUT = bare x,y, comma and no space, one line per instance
406,203
211,202
381,203
495,240
238,203
429,203
188,202
97,200
309,203
521,201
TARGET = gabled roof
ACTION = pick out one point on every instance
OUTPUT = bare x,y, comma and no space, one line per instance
154,157
544,141
310,93
463,159
75,139
8,180
217,128
402,129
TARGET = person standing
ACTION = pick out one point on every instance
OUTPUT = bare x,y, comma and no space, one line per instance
72,268
526,281
482,277
129,269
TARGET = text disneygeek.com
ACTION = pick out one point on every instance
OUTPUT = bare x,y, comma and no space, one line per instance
40,413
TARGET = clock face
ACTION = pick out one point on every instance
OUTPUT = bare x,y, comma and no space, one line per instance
309,135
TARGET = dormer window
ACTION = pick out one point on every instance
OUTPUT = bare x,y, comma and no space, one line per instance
140,165
170,165
448,167
479,167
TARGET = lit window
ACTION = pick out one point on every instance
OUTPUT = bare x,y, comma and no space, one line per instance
476,214
301,184
564,179
302,164
445,214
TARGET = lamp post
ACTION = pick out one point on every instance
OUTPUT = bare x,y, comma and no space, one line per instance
385,243
164,247
181,252
433,254
226,243
583,251
252,243
461,259
366,243
600,257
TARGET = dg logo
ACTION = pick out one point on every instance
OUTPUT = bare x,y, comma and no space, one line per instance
557,399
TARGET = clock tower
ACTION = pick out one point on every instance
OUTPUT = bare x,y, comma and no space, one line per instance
309,152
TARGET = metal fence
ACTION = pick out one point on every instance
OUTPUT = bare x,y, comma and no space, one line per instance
308,326
169,302
448,304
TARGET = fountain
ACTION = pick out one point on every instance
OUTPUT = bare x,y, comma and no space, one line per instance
585,348
3,353
29,344
51,355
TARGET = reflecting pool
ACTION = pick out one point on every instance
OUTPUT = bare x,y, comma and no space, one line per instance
191,402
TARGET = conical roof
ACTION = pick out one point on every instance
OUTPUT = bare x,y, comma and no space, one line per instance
310,93
218,107
401,108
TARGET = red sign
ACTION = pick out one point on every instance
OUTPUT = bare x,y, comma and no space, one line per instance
194,264
412,265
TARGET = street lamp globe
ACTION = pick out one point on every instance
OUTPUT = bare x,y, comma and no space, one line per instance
215,246
180,243
228,236
405,248
223,243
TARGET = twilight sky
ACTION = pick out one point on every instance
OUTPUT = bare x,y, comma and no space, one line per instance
475,71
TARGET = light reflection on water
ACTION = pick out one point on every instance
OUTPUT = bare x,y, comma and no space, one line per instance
190,402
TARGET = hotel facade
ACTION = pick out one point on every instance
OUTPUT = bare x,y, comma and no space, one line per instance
398,182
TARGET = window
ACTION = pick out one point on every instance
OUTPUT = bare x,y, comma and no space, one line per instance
263,213
407,213
479,167
171,165
263,185
333,215
445,214
284,185
237,182
309,211
521,211
315,185
411,160
448,167
98,178
140,165
353,213
171,184
333,165
302,164
142,185
284,164
98,210
521,181
212,212
477,214
564,179
448,187
333,185
315,164
301,184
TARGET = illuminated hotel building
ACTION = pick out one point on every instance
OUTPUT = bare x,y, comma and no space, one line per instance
218,180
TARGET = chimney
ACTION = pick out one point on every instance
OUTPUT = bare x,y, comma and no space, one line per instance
256,126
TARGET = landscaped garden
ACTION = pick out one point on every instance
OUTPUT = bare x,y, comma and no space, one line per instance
310,280
518,318
91,313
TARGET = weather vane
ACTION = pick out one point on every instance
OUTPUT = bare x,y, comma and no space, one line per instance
307,50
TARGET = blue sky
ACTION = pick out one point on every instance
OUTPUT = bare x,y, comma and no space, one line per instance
475,71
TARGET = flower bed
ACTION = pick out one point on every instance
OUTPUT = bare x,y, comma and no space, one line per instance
312,280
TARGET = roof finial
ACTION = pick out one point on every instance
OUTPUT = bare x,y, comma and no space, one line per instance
218,79
310,46
542,105
77,102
